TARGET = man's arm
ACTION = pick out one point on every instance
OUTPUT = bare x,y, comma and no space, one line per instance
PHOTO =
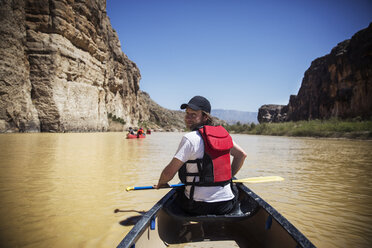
169,172
239,156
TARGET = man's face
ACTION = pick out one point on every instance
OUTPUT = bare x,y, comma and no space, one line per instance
194,118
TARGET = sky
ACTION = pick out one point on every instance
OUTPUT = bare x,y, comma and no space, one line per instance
240,54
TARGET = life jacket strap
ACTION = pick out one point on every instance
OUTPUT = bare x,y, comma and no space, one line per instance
195,161
192,190
207,184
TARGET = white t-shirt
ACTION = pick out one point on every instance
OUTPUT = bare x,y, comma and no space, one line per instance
192,148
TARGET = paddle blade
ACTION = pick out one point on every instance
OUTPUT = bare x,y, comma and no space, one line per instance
139,188
129,188
259,179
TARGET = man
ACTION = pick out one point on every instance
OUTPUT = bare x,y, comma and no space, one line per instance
140,132
206,192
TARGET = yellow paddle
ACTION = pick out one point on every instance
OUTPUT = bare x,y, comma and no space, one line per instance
244,180
259,179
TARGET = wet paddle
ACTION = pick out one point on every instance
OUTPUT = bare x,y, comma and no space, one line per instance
243,180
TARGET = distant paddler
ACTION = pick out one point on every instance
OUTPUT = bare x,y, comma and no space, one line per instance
141,133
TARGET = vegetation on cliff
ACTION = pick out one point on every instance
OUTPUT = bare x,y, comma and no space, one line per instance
333,128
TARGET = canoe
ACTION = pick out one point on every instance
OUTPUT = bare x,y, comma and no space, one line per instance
254,223
134,136
131,136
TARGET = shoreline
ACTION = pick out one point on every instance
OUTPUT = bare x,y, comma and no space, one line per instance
331,129
334,128
341,136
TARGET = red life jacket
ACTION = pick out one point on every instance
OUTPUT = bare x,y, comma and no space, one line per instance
214,169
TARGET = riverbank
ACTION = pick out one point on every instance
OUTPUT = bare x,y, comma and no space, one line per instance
333,128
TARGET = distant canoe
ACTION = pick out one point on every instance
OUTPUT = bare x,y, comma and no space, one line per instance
134,136
148,131
253,224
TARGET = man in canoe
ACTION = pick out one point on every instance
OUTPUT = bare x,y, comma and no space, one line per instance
203,163
140,132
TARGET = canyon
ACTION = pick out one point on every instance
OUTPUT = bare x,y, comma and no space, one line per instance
62,69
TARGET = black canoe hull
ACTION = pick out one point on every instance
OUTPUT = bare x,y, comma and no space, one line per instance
254,224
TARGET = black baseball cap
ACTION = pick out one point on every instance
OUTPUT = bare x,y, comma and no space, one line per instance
198,103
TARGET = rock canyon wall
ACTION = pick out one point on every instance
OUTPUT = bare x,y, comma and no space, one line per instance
336,85
62,68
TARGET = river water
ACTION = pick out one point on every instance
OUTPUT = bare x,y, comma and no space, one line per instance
62,190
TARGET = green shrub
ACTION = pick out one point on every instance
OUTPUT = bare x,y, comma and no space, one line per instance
314,128
115,118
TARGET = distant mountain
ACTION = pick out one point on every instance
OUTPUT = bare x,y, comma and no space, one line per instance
233,116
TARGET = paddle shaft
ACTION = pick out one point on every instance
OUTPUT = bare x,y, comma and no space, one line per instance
244,180
152,187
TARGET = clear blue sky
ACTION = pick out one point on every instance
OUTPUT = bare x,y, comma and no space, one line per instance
240,54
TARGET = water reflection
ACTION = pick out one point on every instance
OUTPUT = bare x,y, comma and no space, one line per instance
62,190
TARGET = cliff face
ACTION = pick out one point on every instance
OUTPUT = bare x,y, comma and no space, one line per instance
336,85
158,117
62,68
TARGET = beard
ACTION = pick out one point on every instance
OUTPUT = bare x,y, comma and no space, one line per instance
195,126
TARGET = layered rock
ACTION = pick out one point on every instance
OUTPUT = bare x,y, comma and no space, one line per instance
336,85
62,68
158,117
17,112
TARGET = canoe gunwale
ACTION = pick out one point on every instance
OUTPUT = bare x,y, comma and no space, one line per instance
286,224
140,227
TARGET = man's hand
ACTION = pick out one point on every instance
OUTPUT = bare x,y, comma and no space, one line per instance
158,186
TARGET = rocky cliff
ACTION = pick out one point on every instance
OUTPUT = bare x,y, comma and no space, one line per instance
157,117
62,68
336,85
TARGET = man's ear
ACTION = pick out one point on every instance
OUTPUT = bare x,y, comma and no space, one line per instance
205,118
